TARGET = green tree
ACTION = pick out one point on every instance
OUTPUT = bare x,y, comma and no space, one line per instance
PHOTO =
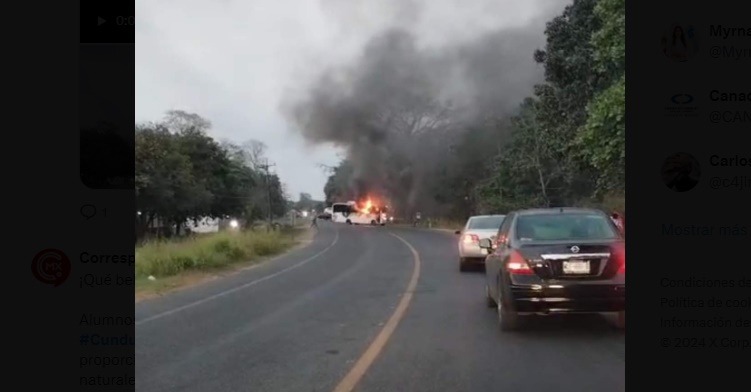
602,137
184,174
528,170
567,142
166,187
571,81
610,40
278,197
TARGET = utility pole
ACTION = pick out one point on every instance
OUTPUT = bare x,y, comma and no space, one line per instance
265,168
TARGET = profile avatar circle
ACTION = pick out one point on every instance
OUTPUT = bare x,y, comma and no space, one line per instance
681,172
682,99
680,42
51,266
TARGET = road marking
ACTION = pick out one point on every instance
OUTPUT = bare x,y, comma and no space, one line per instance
349,381
238,288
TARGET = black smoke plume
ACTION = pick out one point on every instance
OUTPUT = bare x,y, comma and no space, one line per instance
397,109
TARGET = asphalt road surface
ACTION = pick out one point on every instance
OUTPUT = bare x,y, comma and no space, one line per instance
364,309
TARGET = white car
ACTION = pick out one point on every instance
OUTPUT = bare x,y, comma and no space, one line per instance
477,228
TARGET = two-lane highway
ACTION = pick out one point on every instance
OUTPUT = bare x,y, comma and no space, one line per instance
450,339
340,313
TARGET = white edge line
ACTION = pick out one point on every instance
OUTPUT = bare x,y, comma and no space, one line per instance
238,288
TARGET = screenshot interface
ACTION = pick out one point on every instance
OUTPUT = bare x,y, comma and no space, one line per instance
97,268
425,196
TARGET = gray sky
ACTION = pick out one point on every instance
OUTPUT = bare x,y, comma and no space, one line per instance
233,61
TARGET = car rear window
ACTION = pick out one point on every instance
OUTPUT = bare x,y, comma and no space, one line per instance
486,222
550,227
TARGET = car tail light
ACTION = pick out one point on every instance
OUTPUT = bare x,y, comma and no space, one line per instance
471,239
517,265
619,255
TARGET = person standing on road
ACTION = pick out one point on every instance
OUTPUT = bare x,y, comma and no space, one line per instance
314,222
618,220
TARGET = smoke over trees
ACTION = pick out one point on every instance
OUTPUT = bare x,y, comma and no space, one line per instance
483,125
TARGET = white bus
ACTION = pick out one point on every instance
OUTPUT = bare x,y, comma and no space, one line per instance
349,213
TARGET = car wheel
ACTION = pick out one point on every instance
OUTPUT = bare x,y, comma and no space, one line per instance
463,265
349,222
621,320
508,320
490,301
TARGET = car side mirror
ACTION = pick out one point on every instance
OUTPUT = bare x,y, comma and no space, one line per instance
486,244
458,232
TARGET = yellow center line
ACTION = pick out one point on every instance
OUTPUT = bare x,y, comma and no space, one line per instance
362,365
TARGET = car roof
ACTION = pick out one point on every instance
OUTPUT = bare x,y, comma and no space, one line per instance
485,216
561,210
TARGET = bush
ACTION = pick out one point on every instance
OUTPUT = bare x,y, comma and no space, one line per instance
206,252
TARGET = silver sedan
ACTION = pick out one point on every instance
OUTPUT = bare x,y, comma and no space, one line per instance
476,228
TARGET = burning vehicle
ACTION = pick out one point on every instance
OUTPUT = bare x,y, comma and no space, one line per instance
365,212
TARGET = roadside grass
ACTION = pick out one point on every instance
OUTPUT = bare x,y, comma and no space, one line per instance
177,263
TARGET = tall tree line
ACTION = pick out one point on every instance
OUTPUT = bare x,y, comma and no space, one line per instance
184,174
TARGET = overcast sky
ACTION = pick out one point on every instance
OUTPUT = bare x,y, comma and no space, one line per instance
233,61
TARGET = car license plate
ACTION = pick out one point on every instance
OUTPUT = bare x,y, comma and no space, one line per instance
576,267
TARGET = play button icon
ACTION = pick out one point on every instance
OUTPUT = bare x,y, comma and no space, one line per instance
101,21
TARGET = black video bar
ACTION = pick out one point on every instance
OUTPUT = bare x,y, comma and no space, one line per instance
107,22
